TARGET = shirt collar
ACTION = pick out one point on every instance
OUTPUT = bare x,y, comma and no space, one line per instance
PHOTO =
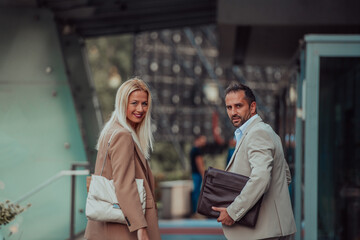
244,126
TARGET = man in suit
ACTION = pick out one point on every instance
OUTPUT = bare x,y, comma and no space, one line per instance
258,155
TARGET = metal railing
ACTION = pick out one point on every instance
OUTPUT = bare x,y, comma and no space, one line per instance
72,210
73,173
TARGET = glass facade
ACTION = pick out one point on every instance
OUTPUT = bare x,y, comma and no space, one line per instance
339,149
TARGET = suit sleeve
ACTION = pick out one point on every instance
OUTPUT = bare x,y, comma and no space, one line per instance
260,150
122,151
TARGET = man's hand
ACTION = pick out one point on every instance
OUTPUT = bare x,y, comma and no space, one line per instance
224,217
142,234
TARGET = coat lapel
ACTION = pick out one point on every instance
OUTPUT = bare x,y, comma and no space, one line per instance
141,157
257,120
145,166
138,151
143,162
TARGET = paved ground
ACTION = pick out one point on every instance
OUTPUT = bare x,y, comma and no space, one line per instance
194,229
189,229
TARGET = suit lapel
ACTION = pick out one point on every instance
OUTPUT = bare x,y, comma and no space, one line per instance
257,120
236,150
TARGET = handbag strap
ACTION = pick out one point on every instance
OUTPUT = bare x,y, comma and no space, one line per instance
107,149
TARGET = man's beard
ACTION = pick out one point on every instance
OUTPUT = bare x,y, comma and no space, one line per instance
242,120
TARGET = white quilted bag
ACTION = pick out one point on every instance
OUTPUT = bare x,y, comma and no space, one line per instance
102,204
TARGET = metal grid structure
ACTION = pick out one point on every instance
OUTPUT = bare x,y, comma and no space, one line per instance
183,70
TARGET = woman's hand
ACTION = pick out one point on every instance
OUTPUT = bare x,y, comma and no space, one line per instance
142,234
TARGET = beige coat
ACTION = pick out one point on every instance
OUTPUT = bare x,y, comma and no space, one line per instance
259,155
124,163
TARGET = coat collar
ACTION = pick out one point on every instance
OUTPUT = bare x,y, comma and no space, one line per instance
137,149
247,129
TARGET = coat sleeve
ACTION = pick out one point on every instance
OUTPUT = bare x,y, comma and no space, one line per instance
260,151
122,155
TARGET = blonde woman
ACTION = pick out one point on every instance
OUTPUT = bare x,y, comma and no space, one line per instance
128,153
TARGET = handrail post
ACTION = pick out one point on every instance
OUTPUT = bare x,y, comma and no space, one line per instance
72,210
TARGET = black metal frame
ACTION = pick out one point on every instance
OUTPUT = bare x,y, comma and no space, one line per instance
73,185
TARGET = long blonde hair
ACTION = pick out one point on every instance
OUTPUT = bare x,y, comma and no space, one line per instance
142,135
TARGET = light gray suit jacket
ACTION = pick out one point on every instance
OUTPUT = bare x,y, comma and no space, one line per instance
259,155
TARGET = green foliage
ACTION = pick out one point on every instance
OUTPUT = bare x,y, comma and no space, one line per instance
8,211
110,60
215,160
164,158
166,164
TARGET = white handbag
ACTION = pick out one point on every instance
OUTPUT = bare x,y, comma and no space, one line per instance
102,204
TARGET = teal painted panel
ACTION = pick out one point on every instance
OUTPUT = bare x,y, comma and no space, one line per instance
318,46
332,38
29,46
39,130
298,208
35,126
33,113
311,143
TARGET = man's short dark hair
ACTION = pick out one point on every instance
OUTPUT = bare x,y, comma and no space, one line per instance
235,87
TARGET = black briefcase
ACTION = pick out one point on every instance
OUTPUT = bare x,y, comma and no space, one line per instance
219,189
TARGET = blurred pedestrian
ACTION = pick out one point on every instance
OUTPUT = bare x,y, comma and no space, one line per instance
231,149
258,155
197,168
132,139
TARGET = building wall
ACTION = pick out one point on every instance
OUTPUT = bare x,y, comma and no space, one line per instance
39,131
